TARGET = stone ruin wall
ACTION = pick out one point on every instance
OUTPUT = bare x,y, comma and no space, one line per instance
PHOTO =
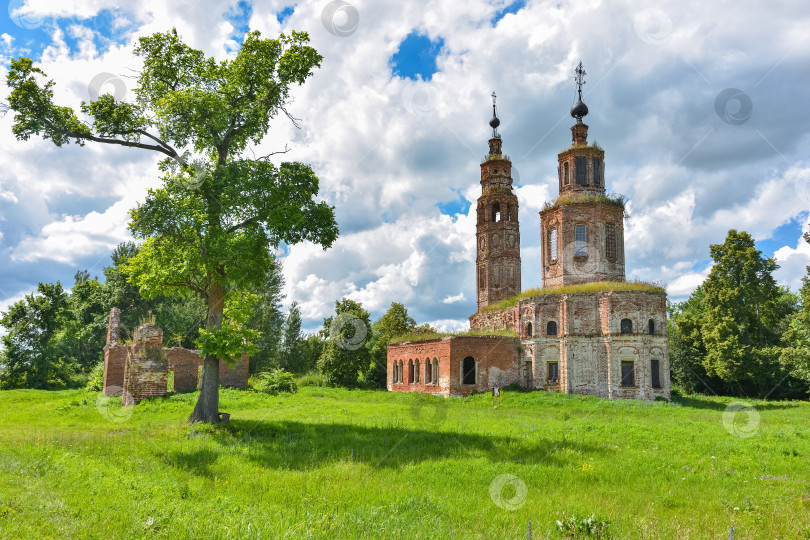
141,370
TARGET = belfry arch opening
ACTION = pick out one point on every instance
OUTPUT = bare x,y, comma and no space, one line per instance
496,212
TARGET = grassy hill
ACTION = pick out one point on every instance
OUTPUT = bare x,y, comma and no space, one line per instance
333,463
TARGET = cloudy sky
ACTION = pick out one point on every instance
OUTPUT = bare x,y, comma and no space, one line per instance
701,108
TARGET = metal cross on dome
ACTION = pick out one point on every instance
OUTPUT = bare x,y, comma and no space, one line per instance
579,79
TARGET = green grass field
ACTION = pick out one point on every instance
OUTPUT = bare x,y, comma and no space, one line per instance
333,463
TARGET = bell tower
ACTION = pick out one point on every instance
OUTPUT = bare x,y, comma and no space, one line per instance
582,232
497,230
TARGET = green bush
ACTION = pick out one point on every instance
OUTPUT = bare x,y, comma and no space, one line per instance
96,381
313,378
273,382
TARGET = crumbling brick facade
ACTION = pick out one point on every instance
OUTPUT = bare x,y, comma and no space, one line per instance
576,342
140,370
453,366
497,231
604,342
147,366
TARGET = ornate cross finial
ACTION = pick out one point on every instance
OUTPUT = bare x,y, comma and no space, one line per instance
494,123
579,79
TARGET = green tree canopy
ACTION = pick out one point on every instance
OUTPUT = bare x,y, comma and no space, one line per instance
796,355
744,314
32,355
210,229
394,322
345,354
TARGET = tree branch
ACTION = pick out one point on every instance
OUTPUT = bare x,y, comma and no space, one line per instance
293,119
286,149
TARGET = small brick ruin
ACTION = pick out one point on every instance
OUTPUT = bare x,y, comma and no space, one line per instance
141,370
454,365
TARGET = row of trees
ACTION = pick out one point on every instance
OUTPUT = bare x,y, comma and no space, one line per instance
740,333
55,336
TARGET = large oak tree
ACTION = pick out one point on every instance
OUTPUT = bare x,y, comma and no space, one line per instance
211,228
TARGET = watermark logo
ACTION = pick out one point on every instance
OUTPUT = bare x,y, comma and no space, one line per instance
110,406
801,183
429,412
104,79
653,26
192,173
508,491
741,419
733,106
581,255
340,18
348,331
420,99
19,16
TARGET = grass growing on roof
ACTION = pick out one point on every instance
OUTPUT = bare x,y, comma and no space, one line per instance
594,286
611,199
439,335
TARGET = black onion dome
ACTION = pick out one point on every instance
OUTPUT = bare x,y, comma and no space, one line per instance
494,123
579,109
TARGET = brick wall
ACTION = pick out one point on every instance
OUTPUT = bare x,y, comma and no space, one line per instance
496,364
184,363
236,377
115,359
141,370
147,366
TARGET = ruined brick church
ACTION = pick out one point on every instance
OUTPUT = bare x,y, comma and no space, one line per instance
586,331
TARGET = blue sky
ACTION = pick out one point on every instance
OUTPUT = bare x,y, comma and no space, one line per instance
395,124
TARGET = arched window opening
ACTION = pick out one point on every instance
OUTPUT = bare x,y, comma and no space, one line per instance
416,372
410,372
581,242
651,326
565,174
551,328
627,326
552,244
496,212
528,330
468,371
435,371
400,374
428,372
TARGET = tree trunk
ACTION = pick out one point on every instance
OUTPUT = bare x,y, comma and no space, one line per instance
207,407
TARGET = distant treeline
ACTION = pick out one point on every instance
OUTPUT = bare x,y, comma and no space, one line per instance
54,338
738,334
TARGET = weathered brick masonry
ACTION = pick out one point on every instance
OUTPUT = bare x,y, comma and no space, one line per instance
141,370
603,342
437,366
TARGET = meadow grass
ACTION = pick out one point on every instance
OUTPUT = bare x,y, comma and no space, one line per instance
335,463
